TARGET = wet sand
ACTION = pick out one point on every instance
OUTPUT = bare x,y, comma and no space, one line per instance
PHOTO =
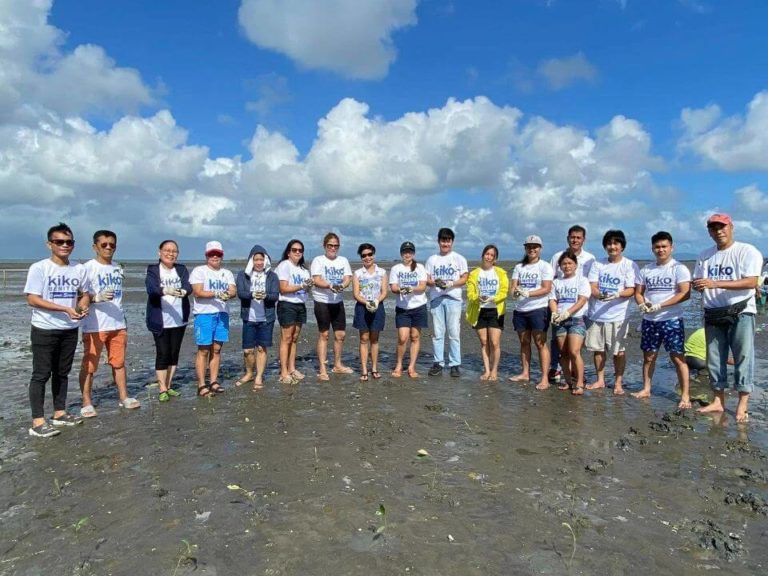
326,477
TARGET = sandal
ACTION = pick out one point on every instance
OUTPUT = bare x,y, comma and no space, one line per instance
164,397
323,377
216,388
287,380
578,391
342,370
257,386
204,390
375,375
296,375
364,377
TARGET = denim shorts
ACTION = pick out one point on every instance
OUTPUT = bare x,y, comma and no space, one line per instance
571,327
414,318
533,320
210,328
257,334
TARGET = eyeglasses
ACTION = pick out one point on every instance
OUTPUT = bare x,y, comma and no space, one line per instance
297,250
62,242
112,245
334,246
367,255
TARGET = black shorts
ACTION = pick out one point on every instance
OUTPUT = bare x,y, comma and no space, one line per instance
291,313
328,315
489,318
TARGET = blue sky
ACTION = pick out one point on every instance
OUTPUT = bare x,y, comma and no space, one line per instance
263,120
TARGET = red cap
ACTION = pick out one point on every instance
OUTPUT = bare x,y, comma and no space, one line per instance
719,219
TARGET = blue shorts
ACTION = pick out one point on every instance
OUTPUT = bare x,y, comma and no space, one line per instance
291,313
257,334
669,332
369,321
533,320
210,328
571,327
414,318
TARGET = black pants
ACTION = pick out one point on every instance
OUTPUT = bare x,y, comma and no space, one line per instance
52,355
167,347
696,363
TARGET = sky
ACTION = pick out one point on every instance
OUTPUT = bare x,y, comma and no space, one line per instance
260,121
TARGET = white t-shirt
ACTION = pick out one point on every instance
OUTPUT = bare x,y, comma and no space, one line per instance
583,262
57,284
449,267
402,275
104,316
611,278
173,314
370,284
530,277
739,261
295,276
333,272
660,283
212,280
256,313
566,291
488,285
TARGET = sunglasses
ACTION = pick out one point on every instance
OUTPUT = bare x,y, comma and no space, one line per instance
298,250
215,255
112,245
367,255
332,245
61,242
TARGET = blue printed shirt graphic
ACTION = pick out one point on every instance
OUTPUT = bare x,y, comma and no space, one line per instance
294,276
370,284
530,277
214,281
661,283
448,267
109,315
739,260
332,271
402,275
611,277
58,284
566,292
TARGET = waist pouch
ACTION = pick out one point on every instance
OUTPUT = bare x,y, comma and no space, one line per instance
724,316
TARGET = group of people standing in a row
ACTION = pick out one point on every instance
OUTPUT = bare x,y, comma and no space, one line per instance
585,299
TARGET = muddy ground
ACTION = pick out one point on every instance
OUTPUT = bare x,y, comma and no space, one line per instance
327,478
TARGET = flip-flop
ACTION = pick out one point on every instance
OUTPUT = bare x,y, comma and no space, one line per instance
342,370
204,391
375,375
88,411
364,377
257,387
216,388
323,377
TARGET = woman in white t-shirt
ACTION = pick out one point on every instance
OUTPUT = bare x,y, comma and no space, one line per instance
295,282
409,281
369,289
531,284
567,303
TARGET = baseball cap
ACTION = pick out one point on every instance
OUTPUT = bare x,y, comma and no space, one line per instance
532,239
212,247
407,247
719,219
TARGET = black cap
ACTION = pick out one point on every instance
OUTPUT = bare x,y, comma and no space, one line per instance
407,247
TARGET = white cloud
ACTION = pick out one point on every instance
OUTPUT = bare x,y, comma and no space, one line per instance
349,37
732,143
751,200
562,72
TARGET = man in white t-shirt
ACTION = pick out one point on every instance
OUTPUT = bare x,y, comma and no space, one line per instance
577,235
105,324
662,287
447,272
726,275
55,291
612,282
212,287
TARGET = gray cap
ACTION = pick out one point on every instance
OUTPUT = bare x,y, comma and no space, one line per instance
533,239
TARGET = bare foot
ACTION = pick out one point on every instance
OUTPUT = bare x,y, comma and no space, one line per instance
412,373
563,386
397,372
618,390
595,385
716,406
578,391
542,385
645,394
684,404
323,376
742,416
493,378
520,378
485,376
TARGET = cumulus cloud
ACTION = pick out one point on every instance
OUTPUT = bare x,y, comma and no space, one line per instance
350,37
562,72
730,143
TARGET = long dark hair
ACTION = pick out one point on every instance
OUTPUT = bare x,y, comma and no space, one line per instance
288,251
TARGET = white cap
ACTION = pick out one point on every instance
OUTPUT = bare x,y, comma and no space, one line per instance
533,239
213,246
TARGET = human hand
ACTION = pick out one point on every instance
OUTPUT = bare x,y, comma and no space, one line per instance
180,292
222,295
520,293
440,283
308,283
258,294
77,313
405,290
372,305
105,295
485,299
555,318
651,308
563,316
608,296
337,288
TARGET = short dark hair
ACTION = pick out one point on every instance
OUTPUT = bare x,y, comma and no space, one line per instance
365,246
577,228
106,233
60,227
445,233
615,236
661,235
164,242
567,254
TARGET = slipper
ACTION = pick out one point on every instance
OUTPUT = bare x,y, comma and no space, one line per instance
414,374
242,381
342,370
364,377
323,377
286,380
257,387
296,375
88,412
164,397
375,375
204,390
129,404
173,393
216,388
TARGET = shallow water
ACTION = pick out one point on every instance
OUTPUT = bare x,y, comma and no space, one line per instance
289,480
